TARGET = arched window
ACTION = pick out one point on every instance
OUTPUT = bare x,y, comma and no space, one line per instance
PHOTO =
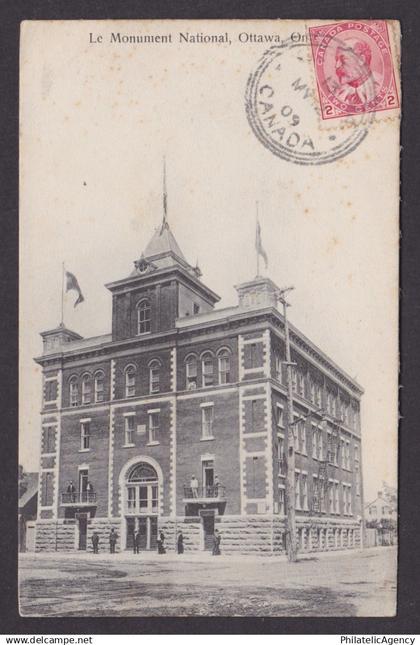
143,317
191,372
142,490
224,366
207,369
74,392
154,377
86,389
130,380
99,387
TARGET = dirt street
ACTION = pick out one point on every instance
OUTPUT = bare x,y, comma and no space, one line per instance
357,583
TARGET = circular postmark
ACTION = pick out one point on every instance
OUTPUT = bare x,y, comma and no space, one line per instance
282,110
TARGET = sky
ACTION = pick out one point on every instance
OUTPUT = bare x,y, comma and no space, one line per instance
96,121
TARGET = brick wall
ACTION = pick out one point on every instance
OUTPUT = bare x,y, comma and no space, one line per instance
142,373
197,348
224,447
160,452
96,458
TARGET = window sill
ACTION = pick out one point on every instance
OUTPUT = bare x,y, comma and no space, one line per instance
207,438
48,454
153,443
84,450
129,445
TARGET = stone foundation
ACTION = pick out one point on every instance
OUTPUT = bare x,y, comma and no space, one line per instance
252,534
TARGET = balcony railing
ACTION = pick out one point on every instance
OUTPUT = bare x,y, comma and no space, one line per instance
214,493
83,497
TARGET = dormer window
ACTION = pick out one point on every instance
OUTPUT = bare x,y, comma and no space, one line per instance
143,317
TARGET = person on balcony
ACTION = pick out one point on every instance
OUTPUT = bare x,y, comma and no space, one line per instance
194,486
180,543
89,491
95,542
216,543
71,491
216,484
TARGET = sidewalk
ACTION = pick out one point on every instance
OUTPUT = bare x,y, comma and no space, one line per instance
198,556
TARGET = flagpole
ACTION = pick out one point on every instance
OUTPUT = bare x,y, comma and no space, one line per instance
256,246
62,296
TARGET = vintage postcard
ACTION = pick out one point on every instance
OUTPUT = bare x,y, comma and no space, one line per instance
209,236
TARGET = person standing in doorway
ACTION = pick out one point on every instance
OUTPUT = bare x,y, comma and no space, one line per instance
136,542
72,491
216,543
161,543
112,541
180,543
95,542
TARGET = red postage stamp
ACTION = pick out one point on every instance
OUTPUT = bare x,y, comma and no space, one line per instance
354,68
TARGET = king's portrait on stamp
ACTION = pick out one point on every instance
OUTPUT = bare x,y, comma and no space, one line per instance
209,318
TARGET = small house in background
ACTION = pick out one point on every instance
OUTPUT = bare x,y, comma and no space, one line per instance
28,507
381,518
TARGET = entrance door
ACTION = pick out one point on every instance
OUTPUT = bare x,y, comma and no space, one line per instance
130,532
153,532
82,532
143,532
208,529
208,477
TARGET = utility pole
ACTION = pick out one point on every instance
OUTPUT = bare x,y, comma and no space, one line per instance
290,460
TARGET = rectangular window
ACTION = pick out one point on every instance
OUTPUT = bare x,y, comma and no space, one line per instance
253,354
320,446
302,431
86,391
254,415
207,415
279,416
154,499
314,442
196,308
191,374
143,499
281,501
336,499
208,371
280,457
224,369
131,498
318,395
154,379
312,392
304,491
153,426
74,394
294,380
343,453
129,429
50,391
85,435
330,498
300,383
48,489
49,439
297,492
278,367
349,501
99,388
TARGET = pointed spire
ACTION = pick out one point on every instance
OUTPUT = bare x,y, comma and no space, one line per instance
165,199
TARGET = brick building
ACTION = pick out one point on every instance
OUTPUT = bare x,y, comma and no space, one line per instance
178,390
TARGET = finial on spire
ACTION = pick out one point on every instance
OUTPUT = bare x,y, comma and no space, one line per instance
165,198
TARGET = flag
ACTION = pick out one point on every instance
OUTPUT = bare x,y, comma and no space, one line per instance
259,246
72,284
